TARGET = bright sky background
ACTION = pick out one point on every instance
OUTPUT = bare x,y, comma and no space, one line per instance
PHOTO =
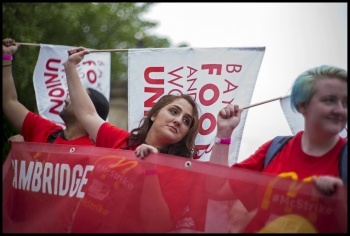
297,37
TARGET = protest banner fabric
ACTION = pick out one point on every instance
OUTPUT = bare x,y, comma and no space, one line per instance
50,82
214,77
50,188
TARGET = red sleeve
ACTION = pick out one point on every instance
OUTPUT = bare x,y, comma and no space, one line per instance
256,160
37,129
110,136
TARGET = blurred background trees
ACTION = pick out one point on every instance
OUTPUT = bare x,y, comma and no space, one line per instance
92,25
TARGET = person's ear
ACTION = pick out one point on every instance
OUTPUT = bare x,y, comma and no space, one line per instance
302,108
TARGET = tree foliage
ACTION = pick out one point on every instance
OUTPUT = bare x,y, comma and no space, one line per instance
92,25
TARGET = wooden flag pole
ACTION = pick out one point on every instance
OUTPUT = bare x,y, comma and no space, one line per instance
125,50
257,104
29,44
109,50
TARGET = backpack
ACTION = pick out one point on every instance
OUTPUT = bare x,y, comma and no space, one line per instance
279,141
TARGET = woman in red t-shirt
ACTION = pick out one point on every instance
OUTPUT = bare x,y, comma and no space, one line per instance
320,95
170,127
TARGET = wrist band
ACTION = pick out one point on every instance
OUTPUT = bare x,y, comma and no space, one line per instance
6,65
223,140
7,57
151,172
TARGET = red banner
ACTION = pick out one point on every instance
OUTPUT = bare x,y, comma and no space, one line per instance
50,188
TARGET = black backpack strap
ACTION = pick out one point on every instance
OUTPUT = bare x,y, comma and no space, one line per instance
276,145
279,141
343,164
54,135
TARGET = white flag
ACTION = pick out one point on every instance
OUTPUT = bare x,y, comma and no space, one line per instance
294,119
214,77
50,82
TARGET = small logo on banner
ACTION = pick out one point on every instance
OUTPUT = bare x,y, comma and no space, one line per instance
98,190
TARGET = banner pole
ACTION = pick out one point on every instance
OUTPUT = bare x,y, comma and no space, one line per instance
109,50
126,50
259,103
29,44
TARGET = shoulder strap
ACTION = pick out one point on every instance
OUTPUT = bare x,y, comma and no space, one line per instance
276,145
343,164
54,135
279,141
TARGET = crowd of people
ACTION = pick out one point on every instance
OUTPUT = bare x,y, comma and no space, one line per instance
171,127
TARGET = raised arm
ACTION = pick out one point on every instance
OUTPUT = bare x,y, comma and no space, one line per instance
227,120
14,111
83,107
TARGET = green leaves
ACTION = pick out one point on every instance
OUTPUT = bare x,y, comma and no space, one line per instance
92,25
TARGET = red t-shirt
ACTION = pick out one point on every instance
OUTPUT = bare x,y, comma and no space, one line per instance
112,201
38,129
291,159
175,185
110,136
291,162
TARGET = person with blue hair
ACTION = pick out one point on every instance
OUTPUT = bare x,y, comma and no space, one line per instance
313,154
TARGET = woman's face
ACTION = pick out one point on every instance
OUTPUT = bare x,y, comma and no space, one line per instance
172,122
327,111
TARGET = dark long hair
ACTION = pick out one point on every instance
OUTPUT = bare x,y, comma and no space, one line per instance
185,147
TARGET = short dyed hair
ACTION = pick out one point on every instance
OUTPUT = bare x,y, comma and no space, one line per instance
100,102
304,86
